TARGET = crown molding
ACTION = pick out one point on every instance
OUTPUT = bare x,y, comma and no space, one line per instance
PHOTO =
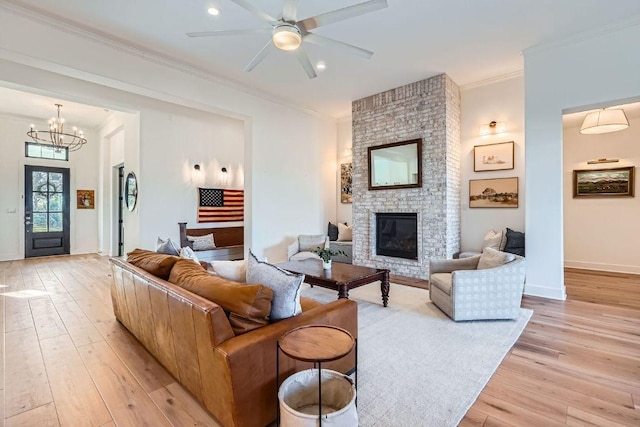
70,27
492,80
582,36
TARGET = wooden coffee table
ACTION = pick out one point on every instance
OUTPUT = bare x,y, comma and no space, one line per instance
341,277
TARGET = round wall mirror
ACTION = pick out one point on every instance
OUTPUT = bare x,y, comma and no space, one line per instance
131,191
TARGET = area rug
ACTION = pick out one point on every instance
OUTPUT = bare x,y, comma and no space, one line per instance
416,366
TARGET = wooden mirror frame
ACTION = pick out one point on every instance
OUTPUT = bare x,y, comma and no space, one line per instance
417,184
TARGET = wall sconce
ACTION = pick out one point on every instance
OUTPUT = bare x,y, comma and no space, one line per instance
348,152
492,128
224,169
196,167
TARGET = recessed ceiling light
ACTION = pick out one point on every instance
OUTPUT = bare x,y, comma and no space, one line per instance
321,65
213,11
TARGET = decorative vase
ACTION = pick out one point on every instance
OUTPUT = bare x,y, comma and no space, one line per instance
326,264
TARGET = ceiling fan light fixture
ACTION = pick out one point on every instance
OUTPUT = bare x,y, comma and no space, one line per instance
287,37
604,121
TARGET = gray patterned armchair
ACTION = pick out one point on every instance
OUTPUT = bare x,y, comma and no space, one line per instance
464,293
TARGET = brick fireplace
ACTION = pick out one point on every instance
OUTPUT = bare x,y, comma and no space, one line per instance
430,110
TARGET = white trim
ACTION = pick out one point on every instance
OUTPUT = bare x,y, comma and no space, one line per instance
614,268
584,35
492,80
141,53
545,292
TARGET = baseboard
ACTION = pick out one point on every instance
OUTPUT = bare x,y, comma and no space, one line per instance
544,292
614,268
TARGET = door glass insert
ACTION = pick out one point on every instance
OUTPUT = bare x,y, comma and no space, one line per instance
40,202
39,179
40,223
55,221
47,191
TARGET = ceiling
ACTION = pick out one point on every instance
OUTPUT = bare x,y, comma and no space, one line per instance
40,109
412,39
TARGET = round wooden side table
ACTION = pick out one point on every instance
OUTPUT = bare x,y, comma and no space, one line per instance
317,344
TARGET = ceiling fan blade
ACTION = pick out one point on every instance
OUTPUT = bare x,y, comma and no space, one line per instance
229,32
289,10
341,14
306,64
260,56
335,44
259,13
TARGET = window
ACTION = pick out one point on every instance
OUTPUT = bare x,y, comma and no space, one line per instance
45,151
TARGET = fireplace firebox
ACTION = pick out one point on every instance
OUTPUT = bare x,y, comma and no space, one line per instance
397,235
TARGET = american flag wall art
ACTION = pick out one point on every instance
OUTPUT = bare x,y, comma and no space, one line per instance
220,205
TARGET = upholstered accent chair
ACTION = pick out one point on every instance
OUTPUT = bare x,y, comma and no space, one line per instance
304,245
463,292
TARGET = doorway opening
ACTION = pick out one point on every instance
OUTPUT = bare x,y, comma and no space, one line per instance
602,264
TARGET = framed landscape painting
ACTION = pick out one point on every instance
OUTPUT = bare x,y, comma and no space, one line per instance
493,157
616,182
346,181
493,193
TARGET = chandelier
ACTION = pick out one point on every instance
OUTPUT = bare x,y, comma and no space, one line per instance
56,135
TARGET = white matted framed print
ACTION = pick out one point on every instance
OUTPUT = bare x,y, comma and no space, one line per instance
493,157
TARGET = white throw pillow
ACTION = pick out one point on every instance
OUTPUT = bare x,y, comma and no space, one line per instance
345,233
286,287
167,247
492,240
230,270
202,243
491,258
188,253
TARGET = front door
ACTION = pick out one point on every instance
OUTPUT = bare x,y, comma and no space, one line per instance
46,211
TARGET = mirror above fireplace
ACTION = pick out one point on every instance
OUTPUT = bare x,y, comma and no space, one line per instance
395,165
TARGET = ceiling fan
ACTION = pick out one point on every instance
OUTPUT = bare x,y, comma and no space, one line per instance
289,34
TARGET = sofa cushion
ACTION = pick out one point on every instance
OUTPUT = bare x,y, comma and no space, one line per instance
345,233
492,240
167,247
300,256
188,253
202,243
286,286
231,270
248,305
332,232
515,242
491,258
307,243
159,265
441,281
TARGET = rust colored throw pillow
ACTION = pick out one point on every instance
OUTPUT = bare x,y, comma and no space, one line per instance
248,305
152,262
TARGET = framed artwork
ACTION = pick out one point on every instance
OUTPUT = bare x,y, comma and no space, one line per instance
86,199
616,182
493,157
346,180
493,193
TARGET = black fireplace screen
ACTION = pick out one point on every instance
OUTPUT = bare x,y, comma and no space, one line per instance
397,235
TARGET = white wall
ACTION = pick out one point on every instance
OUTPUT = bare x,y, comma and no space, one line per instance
83,167
502,101
582,72
290,154
601,233
344,210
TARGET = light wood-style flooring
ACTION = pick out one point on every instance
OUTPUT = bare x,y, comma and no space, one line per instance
68,362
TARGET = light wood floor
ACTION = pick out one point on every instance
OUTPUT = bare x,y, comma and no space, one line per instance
68,362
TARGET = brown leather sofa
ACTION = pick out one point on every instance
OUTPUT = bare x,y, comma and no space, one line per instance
234,377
